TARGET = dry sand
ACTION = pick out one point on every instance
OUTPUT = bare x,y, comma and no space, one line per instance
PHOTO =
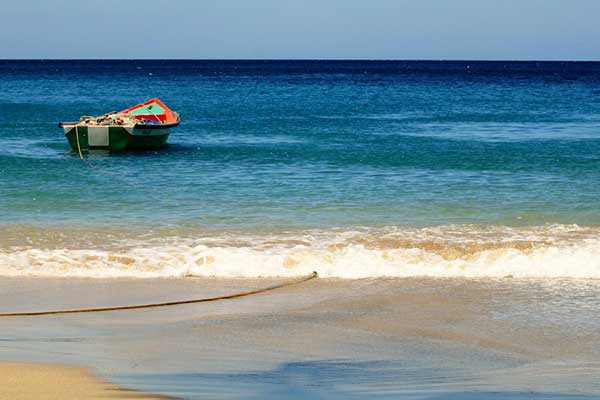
19,381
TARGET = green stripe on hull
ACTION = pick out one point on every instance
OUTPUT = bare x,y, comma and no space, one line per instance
119,139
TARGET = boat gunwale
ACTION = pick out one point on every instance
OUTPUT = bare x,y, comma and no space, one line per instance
136,126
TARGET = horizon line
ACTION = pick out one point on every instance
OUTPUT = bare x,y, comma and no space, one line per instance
309,59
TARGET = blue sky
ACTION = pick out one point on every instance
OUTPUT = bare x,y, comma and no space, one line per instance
334,29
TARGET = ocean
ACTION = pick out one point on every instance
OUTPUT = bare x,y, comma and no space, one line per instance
452,210
358,168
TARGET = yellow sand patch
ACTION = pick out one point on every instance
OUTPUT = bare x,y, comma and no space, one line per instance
57,382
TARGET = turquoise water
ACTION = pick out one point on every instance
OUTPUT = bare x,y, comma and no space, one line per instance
271,146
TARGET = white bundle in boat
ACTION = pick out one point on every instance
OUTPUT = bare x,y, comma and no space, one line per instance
109,119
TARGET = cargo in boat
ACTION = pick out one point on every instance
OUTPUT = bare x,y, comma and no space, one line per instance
144,126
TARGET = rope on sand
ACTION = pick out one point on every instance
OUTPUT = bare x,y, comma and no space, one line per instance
165,304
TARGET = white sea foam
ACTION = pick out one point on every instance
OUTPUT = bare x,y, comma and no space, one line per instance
450,251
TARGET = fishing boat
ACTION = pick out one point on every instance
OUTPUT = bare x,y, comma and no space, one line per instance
144,126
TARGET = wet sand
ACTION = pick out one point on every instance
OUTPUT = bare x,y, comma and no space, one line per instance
378,338
19,381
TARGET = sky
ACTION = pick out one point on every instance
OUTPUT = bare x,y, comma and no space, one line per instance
301,29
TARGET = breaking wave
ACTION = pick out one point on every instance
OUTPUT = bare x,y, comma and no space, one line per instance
551,251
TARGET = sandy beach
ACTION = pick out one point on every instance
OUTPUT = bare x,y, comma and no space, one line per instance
379,338
20,381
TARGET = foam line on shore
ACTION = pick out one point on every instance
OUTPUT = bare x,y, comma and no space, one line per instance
542,252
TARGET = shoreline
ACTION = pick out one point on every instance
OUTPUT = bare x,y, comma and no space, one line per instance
25,381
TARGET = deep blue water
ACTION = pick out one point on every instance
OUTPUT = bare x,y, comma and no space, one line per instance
282,144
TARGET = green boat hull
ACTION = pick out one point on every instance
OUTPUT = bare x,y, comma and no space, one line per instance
115,138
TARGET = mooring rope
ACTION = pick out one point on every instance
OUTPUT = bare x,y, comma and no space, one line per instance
164,304
78,145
